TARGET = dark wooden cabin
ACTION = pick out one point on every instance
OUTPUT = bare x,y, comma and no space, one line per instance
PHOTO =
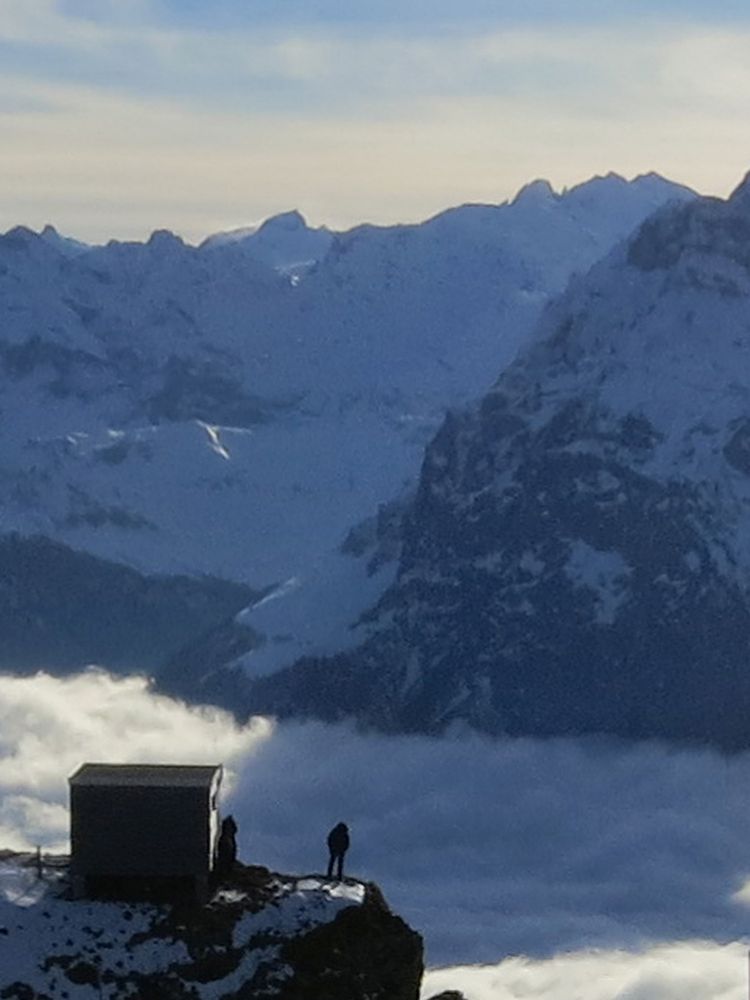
143,831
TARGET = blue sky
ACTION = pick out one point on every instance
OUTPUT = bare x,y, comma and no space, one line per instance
120,116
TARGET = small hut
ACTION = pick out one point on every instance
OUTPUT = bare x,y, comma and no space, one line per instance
143,831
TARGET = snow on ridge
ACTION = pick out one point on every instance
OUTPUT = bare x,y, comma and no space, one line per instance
284,242
603,572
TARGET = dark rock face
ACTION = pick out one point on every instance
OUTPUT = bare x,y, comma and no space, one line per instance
582,598
199,670
376,955
576,558
69,609
737,449
205,391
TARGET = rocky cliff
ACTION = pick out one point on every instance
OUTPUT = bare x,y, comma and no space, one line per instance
577,558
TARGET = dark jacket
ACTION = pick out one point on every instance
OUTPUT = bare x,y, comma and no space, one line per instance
338,839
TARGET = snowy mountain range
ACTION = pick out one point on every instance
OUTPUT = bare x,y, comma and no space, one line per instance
246,408
577,556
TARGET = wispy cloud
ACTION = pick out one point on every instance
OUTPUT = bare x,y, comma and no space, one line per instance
402,14
326,65
119,118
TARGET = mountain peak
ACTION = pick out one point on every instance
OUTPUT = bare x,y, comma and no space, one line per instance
18,235
656,183
535,192
64,244
289,222
163,238
283,241
24,241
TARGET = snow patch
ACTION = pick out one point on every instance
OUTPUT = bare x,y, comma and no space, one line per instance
214,439
604,572
315,613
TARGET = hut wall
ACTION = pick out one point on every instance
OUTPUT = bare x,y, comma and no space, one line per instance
140,831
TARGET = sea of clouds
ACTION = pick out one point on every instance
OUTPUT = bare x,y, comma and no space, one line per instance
536,869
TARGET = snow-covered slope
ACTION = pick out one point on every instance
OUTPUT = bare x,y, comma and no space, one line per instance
577,558
200,410
262,935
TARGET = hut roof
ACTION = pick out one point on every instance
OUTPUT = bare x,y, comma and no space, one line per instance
154,775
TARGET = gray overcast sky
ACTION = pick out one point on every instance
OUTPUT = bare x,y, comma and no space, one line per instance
121,116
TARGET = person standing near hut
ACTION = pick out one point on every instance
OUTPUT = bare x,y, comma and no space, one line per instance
338,845
226,851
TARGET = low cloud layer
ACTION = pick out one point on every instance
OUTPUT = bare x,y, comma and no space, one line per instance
688,971
521,847
616,871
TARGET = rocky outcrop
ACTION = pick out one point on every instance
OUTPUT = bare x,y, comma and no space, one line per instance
261,934
376,955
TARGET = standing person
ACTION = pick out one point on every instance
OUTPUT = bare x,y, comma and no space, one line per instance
226,850
338,845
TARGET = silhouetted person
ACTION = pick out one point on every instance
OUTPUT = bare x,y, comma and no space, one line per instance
226,850
338,845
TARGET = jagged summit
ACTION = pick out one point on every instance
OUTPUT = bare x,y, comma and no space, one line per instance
34,250
542,190
284,241
162,239
23,237
535,192
611,177
289,222
655,178
18,235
